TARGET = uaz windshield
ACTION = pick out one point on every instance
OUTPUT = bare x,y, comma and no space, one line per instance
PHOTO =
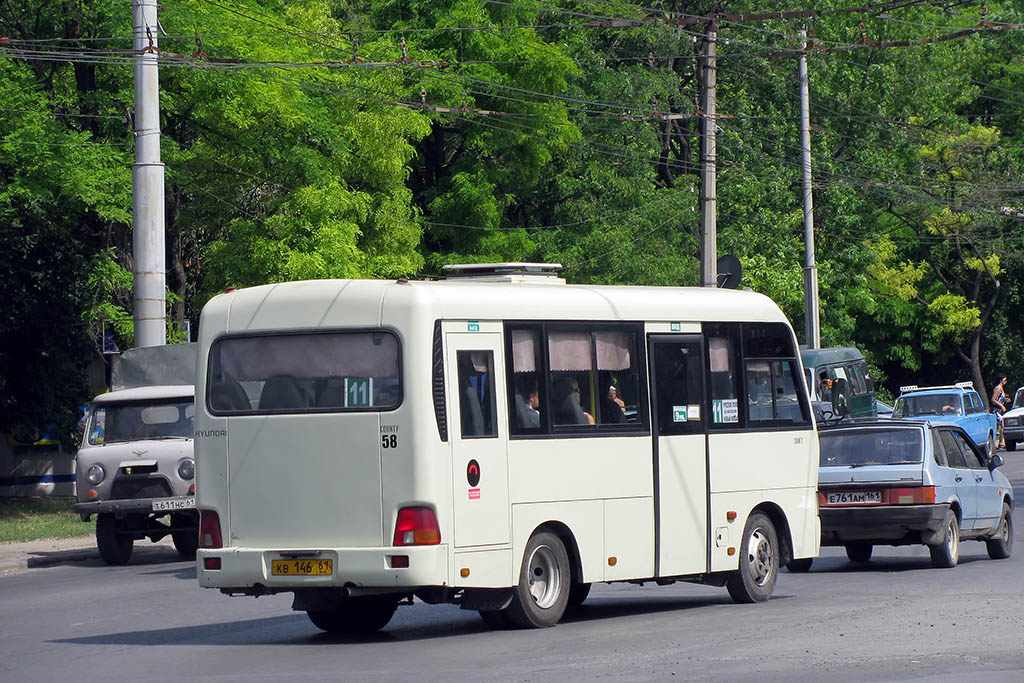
135,421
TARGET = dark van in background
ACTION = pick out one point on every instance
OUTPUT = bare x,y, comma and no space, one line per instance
840,362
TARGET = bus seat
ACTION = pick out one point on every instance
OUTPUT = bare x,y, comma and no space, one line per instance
469,405
281,393
333,395
566,407
227,394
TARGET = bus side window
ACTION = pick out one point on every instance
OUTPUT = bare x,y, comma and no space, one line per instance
526,410
723,374
476,393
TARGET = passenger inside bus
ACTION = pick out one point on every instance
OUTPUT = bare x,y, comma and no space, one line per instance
565,403
527,402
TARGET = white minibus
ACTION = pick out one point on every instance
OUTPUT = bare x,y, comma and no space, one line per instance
499,440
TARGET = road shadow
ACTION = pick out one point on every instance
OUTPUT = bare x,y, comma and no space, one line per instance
90,557
881,564
431,623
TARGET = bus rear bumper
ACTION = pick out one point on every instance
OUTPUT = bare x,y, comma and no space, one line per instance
249,570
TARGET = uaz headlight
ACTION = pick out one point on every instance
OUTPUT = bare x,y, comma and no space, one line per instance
95,474
187,468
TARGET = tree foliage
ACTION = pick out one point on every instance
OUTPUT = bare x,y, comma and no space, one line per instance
385,138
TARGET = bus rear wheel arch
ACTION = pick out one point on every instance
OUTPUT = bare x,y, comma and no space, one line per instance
545,578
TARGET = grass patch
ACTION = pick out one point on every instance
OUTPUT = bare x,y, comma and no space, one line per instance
30,519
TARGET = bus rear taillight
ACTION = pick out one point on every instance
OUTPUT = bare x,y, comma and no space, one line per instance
919,495
209,530
417,526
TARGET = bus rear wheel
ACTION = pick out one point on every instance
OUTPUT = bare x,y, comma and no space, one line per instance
355,615
545,578
755,579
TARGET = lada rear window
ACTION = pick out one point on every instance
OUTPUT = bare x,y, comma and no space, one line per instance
145,420
305,372
862,447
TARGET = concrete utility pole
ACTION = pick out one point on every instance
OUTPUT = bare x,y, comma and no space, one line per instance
813,323
149,269
708,158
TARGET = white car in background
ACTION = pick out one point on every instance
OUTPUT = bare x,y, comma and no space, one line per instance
1013,421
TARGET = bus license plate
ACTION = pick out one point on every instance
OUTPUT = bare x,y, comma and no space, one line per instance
854,498
301,567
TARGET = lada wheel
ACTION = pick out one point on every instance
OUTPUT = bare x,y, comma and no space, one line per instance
542,595
1001,543
755,579
115,548
859,552
800,566
947,553
355,615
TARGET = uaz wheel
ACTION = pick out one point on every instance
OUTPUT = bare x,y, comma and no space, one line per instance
115,548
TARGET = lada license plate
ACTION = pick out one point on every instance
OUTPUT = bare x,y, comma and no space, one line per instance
854,498
183,503
301,567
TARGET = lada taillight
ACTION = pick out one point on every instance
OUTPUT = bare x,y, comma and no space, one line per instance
417,526
918,495
209,530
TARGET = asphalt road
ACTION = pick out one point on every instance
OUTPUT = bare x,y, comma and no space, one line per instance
895,619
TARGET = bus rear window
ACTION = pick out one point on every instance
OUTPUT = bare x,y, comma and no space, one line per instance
308,372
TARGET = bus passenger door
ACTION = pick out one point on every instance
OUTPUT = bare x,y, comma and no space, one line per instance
680,454
476,389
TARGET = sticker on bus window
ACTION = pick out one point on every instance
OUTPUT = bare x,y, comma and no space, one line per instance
693,412
725,410
679,413
358,392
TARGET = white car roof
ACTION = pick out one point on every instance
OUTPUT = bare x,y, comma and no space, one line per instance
163,391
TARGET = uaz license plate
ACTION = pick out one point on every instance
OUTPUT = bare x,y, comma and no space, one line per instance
301,567
183,503
854,498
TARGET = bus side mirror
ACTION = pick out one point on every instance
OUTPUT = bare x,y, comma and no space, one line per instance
841,397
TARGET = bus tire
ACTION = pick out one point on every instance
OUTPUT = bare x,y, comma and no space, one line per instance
545,578
355,615
495,618
577,594
755,579
115,548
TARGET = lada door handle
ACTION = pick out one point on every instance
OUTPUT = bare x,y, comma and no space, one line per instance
977,479
958,479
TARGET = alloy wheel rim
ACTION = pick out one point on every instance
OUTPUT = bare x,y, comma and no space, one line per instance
544,579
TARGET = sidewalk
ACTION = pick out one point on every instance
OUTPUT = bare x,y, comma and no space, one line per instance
54,551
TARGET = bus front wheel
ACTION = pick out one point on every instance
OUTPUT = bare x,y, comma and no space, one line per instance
755,579
545,578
